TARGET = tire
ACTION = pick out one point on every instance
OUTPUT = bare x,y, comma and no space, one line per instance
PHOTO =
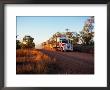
62,49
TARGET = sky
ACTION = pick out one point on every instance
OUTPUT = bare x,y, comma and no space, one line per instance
41,28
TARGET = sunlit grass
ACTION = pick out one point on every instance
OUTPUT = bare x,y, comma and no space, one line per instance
33,61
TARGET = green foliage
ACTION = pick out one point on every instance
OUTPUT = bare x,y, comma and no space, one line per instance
86,37
28,42
18,44
75,39
87,33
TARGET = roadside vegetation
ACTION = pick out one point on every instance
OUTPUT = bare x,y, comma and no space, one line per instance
31,61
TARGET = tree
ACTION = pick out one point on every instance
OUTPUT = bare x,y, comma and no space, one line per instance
75,38
18,44
86,37
87,33
28,42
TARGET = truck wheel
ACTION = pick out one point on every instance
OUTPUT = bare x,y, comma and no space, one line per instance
61,49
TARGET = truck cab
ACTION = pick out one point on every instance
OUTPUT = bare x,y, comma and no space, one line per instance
65,44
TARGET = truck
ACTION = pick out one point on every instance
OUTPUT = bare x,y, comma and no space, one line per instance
63,44
59,42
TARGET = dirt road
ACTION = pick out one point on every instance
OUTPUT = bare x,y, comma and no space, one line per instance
72,62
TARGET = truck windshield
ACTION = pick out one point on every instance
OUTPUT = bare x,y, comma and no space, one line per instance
64,41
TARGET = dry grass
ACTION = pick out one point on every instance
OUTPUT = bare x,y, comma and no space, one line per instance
30,61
